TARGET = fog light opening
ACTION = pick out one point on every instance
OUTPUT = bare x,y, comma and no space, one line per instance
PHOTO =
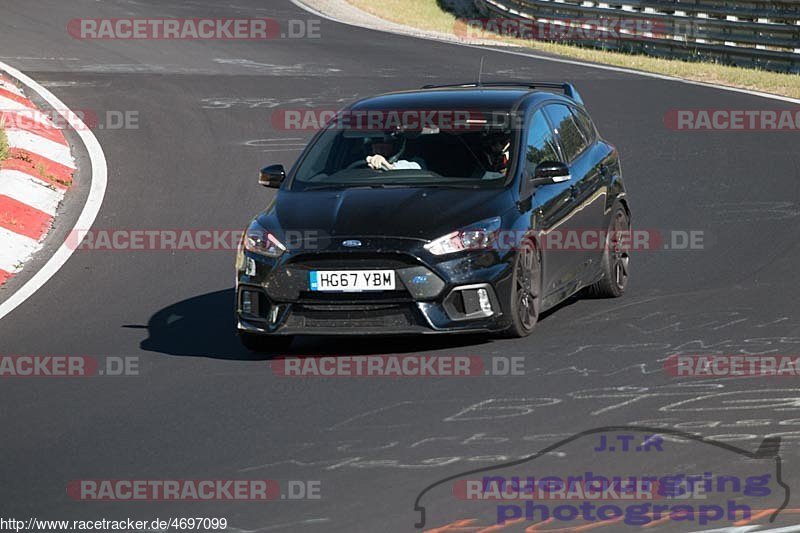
250,303
485,302
472,302
251,267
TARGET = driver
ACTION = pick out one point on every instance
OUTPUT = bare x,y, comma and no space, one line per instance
387,155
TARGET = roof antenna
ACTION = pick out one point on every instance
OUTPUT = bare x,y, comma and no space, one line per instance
480,73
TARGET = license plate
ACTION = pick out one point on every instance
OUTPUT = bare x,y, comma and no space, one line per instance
351,280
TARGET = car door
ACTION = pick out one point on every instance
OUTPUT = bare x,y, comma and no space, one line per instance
583,242
604,170
552,205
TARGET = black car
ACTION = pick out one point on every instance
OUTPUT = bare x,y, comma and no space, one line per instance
442,210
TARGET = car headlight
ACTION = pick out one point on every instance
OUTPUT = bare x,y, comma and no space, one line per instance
478,236
260,241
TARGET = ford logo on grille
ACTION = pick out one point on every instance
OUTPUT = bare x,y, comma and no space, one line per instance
352,243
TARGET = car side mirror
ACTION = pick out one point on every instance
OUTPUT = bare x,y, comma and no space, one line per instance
272,176
551,172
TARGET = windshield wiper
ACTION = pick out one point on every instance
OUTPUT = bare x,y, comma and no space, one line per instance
347,186
392,186
449,185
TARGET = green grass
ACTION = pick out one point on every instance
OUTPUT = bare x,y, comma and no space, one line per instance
423,14
3,145
428,15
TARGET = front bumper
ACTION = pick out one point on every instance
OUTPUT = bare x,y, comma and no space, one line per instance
433,294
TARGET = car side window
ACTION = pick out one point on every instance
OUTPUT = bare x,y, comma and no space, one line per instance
541,143
587,126
572,140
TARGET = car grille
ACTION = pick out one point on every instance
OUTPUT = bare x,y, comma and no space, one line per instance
379,317
356,298
354,260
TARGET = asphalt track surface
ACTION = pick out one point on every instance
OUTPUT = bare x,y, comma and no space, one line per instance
203,409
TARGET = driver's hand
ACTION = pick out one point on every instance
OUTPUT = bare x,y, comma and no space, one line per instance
378,162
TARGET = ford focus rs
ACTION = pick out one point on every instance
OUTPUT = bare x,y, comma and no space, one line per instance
442,210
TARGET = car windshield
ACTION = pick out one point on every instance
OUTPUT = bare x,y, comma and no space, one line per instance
473,155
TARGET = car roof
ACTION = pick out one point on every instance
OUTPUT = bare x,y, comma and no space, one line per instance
446,98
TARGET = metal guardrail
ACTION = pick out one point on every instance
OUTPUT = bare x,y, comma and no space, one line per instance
751,33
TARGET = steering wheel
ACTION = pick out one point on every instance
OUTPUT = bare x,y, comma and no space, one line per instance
358,163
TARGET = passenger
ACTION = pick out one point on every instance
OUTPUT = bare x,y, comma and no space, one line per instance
496,154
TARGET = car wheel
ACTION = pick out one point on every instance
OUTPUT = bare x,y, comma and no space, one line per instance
526,292
265,344
616,259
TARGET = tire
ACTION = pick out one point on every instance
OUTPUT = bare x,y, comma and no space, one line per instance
265,344
526,292
616,260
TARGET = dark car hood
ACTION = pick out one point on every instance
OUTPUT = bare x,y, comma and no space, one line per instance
421,213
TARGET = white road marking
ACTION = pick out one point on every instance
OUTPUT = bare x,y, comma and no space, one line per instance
30,191
91,208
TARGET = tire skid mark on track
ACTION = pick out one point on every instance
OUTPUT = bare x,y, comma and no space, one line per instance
472,435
